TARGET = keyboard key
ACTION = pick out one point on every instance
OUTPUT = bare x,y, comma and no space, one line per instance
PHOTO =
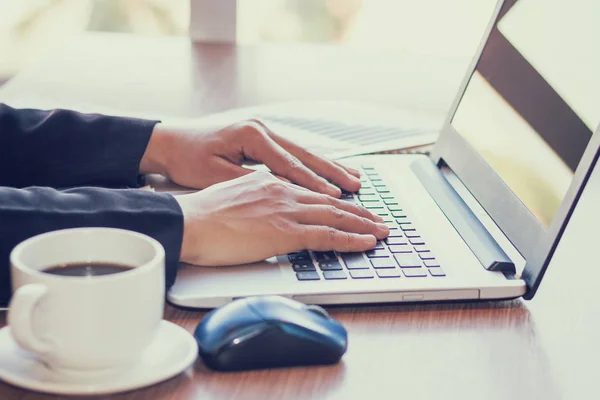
385,196
411,234
300,255
350,200
421,249
378,184
392,225
303,267
398,214
382,213
431,263
382,189
407,227
371,172
416,241
334,275
367,192
347,196
373,203
355,261
396,240
377,253
390,201
307,276
426,256
379,246
400,248
415,272
408,260
375,178
396,233
361,274
388,273
384,262
324,255
309,262
388,220
368,167
330,266
437,271
368,198
373,206
394,208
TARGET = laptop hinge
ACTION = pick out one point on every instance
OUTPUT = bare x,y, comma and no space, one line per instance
466,223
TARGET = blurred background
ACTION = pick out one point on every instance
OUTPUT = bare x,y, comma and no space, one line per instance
31,29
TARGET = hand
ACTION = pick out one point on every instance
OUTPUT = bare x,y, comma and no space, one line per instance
258,216
201,156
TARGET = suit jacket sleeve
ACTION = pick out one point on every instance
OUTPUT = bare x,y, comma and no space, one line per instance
31,211
61,148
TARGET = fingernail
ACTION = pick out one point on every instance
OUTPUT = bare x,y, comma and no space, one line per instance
371,241
334,191
383,228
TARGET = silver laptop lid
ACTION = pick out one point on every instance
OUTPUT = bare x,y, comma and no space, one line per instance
519,135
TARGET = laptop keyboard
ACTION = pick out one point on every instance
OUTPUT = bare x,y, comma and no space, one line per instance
404,254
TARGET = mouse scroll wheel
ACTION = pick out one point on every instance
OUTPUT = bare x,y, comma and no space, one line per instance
318,310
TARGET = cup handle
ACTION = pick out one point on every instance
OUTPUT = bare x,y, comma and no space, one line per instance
20,317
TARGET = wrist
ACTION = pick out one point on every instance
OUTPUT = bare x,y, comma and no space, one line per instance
155,159
186,243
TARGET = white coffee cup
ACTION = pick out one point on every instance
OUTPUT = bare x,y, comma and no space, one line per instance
81,325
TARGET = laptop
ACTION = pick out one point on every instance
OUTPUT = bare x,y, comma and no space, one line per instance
480,216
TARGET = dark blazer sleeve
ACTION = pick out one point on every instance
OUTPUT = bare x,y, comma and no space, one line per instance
31,211
61,148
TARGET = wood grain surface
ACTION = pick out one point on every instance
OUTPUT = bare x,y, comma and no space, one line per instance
543,349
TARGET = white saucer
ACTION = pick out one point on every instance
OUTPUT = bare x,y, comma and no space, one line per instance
172,351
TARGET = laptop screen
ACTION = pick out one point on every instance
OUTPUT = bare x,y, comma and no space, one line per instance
533,102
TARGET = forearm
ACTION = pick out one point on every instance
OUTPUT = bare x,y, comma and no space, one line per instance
62,148
28,212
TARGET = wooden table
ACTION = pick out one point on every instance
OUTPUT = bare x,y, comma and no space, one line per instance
543,349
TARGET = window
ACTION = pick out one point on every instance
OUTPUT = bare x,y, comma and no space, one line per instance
417,25
30,29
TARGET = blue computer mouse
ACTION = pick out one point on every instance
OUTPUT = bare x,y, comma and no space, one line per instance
268,332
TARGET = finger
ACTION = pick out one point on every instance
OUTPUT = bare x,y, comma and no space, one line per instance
351,171
313,198
322,238
283,179
221,170
284,164
341,220
323,167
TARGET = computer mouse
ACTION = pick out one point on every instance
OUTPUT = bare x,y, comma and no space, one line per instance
268,332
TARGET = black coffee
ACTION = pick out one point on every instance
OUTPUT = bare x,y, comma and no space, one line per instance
87,269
